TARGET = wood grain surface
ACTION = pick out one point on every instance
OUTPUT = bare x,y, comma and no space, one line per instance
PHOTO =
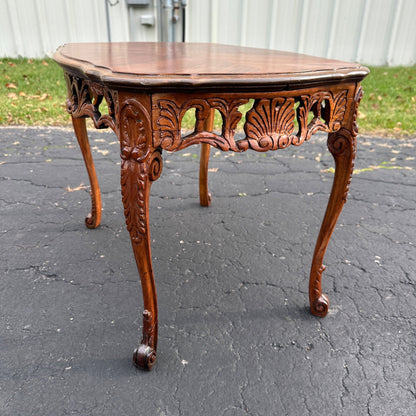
186,65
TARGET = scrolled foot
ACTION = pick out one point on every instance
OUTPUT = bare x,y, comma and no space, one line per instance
144,357
91,221
207,200
320,306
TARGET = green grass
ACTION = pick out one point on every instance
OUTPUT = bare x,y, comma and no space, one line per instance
33,92
389,103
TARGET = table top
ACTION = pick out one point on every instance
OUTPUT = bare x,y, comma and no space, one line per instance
159,65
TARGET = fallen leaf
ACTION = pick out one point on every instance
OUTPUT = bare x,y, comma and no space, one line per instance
11,64
43,97
44,109
12,95
22,94
80,187
10,85
44,63
30,61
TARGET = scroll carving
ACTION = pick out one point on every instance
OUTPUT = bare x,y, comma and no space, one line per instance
145,354
168,132
230,115
84,99
319,301
270,123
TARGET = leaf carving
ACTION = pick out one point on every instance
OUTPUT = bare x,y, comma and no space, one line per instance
136,178
168,132
133,191
338,108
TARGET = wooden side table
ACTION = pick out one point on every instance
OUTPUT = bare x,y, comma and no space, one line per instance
148,87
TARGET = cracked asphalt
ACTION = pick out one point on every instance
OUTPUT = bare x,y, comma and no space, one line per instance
236,336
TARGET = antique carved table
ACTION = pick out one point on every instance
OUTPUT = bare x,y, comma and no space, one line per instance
148,87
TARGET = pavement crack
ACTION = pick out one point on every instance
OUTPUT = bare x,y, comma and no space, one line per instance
6,178
345,390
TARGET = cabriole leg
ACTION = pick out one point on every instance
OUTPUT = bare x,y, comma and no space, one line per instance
342,145
136,179
204,195
93,219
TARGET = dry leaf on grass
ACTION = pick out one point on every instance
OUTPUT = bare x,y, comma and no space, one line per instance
43,97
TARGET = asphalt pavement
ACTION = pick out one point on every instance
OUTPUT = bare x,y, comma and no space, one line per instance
236,336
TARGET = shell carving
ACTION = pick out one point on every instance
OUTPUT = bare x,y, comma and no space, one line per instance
270,123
